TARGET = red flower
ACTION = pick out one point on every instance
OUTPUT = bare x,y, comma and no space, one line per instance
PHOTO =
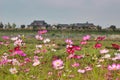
100,38
77,48
73,48
18,51
116,46
98,45
70,50
78,56
17,48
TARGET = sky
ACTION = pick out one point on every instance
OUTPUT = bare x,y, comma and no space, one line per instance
99,12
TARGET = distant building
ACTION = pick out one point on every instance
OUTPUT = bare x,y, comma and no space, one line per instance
38,24
84,26
78,26
41,24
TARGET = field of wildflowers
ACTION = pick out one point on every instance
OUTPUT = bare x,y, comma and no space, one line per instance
43,58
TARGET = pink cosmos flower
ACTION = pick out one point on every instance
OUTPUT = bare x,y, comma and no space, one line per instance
1,43
114,67
6,43
4,61
71,75
88,68
37,51
36,57
58,64
27,70
71,56
42,32
117,57
104,51
36,62
83,42
75,56
75,65
81,70
18,42
85,38
44,50
5,37
69,41
27,60
15,62
39,37
78,56
50,73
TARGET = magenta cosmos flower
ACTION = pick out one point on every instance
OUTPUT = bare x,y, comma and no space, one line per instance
114,67
18,51
58,64
5,37
98,45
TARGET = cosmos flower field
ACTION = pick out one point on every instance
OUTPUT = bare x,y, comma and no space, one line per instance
44,58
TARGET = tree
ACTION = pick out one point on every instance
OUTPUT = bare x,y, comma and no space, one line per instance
6,26
13,25
113,27
99,28
9,25
1,25
22,26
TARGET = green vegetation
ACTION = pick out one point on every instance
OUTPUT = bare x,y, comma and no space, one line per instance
45,70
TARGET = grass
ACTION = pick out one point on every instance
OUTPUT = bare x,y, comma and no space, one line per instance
41,71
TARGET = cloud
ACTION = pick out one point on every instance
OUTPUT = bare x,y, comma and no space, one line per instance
105,2
64,3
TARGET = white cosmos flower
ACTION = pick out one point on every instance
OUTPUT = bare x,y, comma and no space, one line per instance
38,46
46,40
14,38
15,62
54,50
13,70
81,70
107,56
36,62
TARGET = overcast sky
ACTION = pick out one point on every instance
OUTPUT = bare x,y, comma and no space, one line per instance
99,12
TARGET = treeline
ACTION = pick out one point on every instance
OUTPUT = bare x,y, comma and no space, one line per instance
13,26
10,26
